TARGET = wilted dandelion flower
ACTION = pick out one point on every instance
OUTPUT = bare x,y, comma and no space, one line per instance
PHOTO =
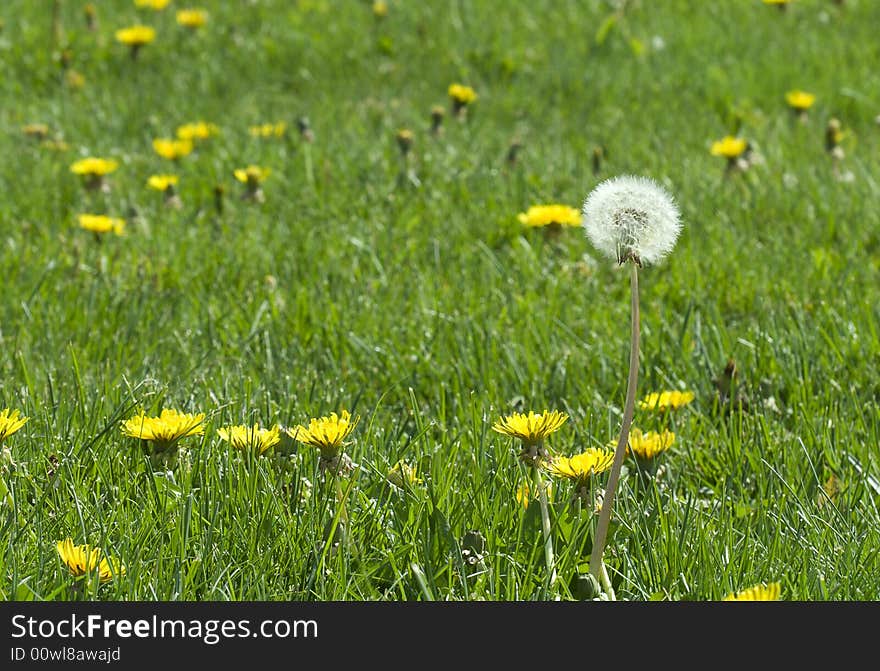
99,223
666,400
198,130
328,434
84,560
550,215
461,97
531,430
769,592
166,429
135,37
172,149
10,422
250,438
192,18
268,130
631,218
403,476
155,5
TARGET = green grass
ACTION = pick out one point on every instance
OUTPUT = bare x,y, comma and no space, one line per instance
419,302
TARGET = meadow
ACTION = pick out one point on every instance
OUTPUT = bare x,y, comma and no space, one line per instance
388,274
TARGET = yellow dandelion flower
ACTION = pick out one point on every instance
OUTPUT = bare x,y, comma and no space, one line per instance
172,149
380,9
40,131
253,174
546,215
646,446
800,101
99,223
136,36
244,437
461,94
779,3
84,560
403,476
199,130
155,5
729,147
166,429
267,130
531,428
326,433
10,422
94,167
666,400
162,182
581,467
769,592
192,18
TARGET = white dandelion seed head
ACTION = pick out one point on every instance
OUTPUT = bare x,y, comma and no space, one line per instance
632,218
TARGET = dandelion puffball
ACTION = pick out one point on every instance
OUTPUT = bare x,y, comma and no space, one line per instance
631,218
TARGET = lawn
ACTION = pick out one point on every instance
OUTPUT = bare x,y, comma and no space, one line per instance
388,275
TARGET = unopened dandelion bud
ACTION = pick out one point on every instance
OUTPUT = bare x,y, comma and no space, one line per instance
437,114
632,219
513,151
833,137
66,58
598,155
219,191
91,17
405,141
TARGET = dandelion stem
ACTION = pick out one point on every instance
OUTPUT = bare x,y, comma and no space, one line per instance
310,173
545,527
597,568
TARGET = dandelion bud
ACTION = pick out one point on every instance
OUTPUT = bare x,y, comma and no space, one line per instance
513,152
218,198
91,17
437,114
833,136
632,219
65,58
598,155
405,141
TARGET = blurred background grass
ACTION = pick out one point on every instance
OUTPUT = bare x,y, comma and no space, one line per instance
412,296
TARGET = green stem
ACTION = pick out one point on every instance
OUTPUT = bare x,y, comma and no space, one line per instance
545,527
597,568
